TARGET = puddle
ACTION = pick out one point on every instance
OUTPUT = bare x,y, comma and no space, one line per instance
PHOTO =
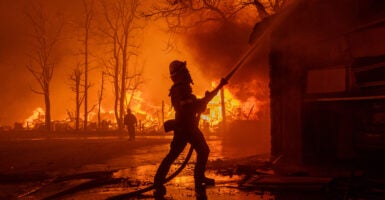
144,172
182,186
145,162
137,169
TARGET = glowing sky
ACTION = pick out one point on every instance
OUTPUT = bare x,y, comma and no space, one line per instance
209,54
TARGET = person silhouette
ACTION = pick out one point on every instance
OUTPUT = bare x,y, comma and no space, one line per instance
187,113
130,122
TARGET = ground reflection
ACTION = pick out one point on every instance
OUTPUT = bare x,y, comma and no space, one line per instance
182,186
141,172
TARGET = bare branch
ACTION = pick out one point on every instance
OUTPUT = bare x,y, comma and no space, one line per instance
45,35
37,92
120,17
184,14
261,9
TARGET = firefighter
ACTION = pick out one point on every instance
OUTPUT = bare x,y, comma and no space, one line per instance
131,122
187,113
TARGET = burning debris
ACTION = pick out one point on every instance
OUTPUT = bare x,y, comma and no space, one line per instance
35,120
151,116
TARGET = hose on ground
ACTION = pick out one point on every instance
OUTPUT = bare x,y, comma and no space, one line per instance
151,187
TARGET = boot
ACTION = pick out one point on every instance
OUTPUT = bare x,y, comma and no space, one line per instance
208,181
203,182
200,193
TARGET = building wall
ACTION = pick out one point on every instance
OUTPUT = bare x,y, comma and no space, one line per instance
286,107
319,35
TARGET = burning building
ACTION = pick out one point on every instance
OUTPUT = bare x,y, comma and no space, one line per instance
327,63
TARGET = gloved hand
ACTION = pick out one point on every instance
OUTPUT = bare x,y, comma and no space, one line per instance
208,94
223,82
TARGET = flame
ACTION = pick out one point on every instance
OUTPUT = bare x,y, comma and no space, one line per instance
214,114
151,117
235,108
37,117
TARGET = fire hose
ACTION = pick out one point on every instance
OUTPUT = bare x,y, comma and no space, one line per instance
151,187
168,125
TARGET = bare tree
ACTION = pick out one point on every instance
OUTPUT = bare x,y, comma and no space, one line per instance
76,78
134,80
184,14
88,18
100,98
121,19
45,35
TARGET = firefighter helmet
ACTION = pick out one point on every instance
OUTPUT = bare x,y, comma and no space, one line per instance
176,66
179,71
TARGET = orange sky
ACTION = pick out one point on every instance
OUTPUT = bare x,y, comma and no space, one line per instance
210,54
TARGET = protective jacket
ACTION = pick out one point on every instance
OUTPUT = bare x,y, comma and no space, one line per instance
187,107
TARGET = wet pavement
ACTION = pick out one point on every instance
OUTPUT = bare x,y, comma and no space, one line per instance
106,167
134,170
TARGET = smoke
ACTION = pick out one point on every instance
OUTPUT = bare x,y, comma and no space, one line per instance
210,52
13,74
217,50
18,101
16,82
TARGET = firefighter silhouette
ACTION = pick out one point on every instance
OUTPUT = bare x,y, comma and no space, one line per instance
187,113
130,122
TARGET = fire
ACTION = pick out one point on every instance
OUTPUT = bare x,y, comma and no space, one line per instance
214,114
37,117
151,117
234,108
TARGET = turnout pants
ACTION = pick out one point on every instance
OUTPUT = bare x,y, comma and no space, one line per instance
179,142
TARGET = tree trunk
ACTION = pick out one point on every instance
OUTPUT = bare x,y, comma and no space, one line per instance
122,91
86,79
116,86
100,101
78,102
47,111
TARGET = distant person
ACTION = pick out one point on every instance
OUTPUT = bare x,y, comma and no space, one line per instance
130,122
187,113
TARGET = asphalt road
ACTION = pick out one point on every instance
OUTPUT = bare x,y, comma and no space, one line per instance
99,168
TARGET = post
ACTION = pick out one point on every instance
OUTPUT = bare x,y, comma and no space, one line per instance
223,106
162,112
